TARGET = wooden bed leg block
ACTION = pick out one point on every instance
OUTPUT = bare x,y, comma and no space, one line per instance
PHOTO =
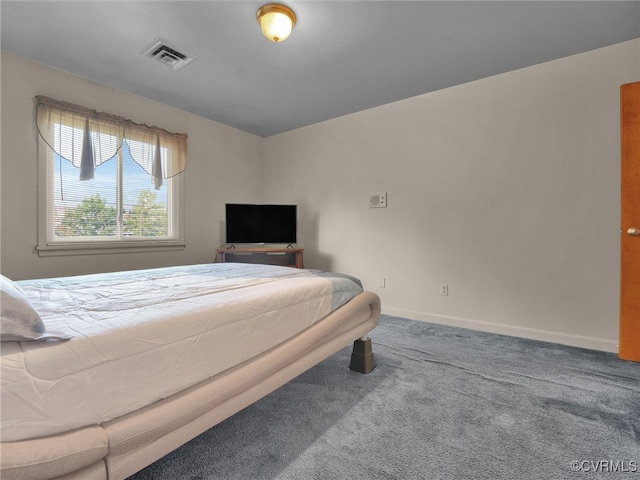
362,356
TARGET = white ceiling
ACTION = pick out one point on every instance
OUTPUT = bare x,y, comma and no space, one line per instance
342,57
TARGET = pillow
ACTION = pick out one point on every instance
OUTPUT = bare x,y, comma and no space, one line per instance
19,321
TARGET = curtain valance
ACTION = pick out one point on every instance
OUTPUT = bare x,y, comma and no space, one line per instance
88,138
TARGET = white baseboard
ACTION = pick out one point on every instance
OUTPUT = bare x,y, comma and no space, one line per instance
514,331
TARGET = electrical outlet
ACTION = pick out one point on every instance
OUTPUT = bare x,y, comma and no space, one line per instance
377,200
383,283
444,289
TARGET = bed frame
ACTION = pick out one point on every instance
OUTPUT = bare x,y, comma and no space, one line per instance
123,446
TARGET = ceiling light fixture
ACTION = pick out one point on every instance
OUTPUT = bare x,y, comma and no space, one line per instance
276,21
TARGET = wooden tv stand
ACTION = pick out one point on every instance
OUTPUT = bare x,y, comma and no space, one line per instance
286,257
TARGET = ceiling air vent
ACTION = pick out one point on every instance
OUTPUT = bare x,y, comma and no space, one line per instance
161,51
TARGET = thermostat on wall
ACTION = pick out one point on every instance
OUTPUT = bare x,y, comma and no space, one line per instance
377,200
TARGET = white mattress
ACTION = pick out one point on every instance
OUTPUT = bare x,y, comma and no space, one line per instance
144,335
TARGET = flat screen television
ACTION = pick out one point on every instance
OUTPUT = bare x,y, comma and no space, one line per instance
252,223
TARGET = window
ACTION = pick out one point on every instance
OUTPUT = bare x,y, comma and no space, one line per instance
106,182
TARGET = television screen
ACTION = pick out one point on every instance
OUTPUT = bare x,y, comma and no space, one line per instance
251,223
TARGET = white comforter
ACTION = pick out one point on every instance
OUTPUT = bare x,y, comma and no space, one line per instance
143,335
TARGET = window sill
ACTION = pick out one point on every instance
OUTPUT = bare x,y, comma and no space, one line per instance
101,248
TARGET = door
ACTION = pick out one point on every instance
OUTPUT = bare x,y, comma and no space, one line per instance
630,222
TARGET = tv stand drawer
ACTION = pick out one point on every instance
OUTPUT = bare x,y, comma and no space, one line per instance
286,257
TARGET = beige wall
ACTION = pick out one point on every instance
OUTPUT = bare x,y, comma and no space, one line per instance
506,189
224,165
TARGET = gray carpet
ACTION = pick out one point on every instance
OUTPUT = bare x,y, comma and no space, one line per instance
442,403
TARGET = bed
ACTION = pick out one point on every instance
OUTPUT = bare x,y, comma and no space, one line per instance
118,369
